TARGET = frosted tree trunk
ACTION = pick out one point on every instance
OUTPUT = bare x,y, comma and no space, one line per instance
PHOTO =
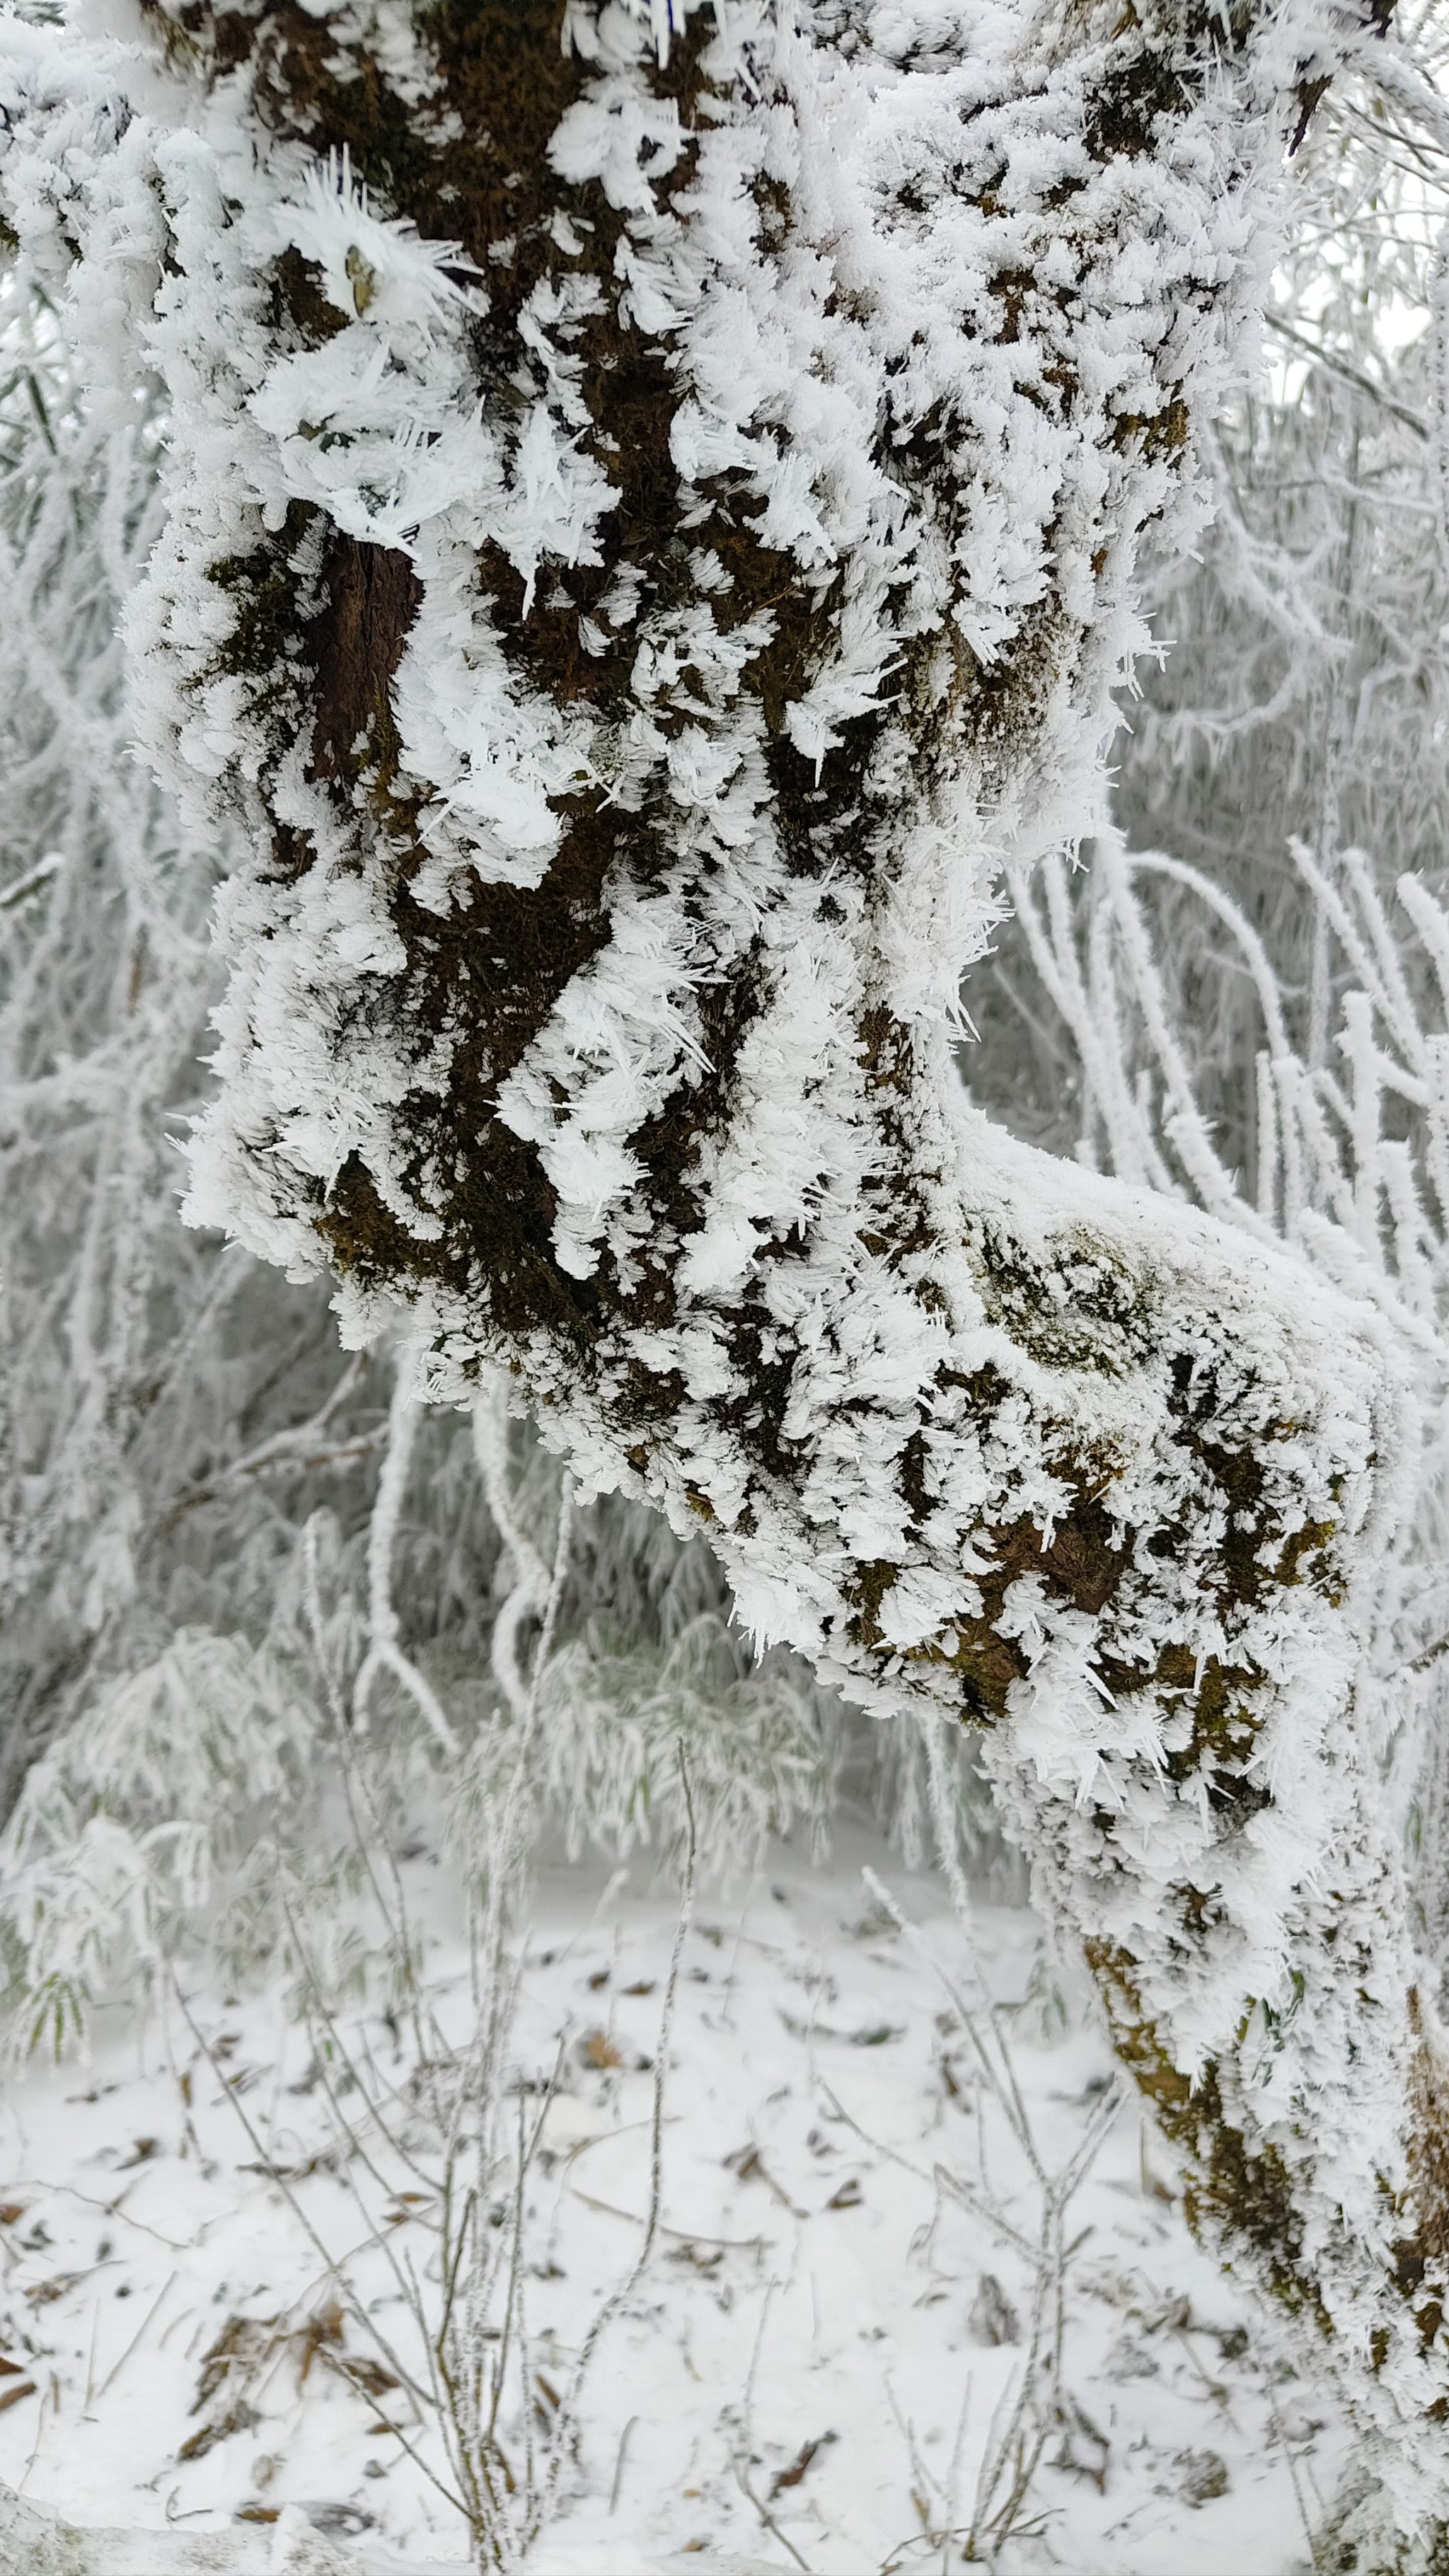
653,513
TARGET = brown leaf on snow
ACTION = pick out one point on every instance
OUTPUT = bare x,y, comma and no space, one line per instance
41,2293
240,2418
1204,2477
326,2160
366,2374
1077,2428
11,2396
849,2195
243,2346
690,2253
11,2212
792,2476
876,2034
326,2327
748,2164
598,2050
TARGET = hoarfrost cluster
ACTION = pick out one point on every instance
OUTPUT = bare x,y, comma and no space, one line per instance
651,518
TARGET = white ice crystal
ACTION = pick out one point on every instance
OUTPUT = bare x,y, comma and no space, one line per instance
933,297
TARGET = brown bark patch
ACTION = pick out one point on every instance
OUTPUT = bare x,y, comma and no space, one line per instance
356,641
1232,2192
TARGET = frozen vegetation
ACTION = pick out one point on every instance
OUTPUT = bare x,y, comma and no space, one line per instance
790,676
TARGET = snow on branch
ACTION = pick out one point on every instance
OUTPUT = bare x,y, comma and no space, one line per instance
653,514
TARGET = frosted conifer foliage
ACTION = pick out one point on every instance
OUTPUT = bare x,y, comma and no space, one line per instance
652,520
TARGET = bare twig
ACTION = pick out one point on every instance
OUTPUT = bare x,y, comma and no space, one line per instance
118,2367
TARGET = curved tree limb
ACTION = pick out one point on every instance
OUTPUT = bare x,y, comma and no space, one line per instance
654,500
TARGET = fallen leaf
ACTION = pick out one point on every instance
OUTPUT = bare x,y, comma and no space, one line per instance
11,2212
258,2513
691,2254
992,2318
11,2396
849,2195
748,2164
875,2035
325,2161
367,2374
1204,2477
327,2327
41,2293
241,2419
244,2345
1077,2425
597,2049
792,2476
1174,2314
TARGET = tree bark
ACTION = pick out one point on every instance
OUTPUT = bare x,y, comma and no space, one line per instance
654,508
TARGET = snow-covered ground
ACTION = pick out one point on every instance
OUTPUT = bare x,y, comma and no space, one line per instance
832,2332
